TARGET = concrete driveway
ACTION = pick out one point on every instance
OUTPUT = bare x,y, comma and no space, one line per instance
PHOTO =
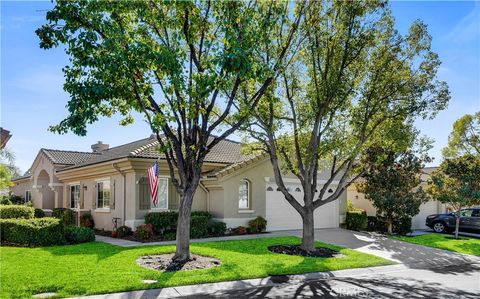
415,256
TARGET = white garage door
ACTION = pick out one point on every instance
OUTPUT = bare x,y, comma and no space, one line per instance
282,216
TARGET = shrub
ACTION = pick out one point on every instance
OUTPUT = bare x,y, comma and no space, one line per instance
402,226
257,225
16,211
4,200
75,234
216,228
357,220
124,231
32,232
373,224
162,222
169,236
199,226
144,231
86,220
202,213
39,213
66,215
241,230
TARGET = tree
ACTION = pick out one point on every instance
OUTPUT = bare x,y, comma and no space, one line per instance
8,169
392,183
179,63
465,137
354,82
457,183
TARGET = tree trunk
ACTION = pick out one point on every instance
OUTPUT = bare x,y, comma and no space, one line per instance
457,223
390,226
308,239
182,253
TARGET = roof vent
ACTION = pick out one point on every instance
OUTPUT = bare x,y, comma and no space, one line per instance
99,147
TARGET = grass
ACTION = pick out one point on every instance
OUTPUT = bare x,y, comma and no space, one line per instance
447,242
97,267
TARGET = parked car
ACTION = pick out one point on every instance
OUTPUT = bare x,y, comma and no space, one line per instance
469,221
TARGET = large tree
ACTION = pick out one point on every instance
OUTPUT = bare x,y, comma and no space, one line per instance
8,169
465,137
180,63
355,82
391,181
457,183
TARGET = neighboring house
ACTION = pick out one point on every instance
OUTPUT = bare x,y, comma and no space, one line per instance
112,183
418,221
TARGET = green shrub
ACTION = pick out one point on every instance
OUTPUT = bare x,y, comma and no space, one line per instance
86,220
162,222
357,220
257,225
5,200
199,226
16,211
202,213
216,228
66,215
76,235
402,226
124,231
32,232
39,213
144,232
170,236
240,230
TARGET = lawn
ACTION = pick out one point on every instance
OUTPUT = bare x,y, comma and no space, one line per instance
97,267
447,242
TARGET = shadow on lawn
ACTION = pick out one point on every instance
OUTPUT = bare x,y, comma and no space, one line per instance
347,288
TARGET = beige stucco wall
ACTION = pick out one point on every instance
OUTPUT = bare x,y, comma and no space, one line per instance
20,187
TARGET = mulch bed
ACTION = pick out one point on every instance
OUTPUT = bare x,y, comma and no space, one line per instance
297,250
163,262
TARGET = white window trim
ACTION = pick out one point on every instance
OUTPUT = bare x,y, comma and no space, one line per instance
106,181
168,195
248,208
242,211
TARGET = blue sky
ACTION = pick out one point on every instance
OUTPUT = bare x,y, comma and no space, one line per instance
32,97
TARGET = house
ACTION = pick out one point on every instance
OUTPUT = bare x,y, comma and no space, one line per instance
418,221
112,183
4,137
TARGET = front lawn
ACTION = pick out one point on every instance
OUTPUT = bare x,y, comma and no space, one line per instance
97,267
463,244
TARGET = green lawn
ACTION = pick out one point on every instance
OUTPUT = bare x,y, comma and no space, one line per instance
98,267
447,242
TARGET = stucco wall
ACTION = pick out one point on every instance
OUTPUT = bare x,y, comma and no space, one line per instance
20,187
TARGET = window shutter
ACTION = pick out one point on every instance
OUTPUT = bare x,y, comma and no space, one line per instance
112,195
94,197
82,197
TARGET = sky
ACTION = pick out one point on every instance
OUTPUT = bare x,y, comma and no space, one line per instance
32,96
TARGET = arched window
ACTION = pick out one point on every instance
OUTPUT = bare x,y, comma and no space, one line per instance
244,194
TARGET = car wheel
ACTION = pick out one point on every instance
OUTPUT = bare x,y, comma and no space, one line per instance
439,227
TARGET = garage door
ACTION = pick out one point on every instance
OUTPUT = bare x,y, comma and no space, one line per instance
282,216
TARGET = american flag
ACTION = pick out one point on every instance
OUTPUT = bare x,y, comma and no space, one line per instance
153,181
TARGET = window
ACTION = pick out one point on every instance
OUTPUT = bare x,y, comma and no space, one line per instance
74,196
466,213
244,195
162,196
144,202
103,194
476,213
28,196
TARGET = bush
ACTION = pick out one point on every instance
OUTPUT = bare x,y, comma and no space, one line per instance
66,215
4,200
402,226
199,226
162,222
16,211
257,225
75,234
124,231
144,232
32,232
357,220
241,230
217,228
373,224
170,236
39,213
86,220
202,213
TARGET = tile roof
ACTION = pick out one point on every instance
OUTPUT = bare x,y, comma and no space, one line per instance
68,157
225,152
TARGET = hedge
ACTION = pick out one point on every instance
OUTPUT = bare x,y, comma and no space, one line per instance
66,215
199,226
16,211
165,223
76,235
32,232
216,228
357,220
257,225
39,213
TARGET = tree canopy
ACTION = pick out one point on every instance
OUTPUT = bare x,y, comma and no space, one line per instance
465,137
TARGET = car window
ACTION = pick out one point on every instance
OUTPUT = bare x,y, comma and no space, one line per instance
476,213
466,213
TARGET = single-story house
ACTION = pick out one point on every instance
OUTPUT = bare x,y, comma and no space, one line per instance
113,183
418,221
